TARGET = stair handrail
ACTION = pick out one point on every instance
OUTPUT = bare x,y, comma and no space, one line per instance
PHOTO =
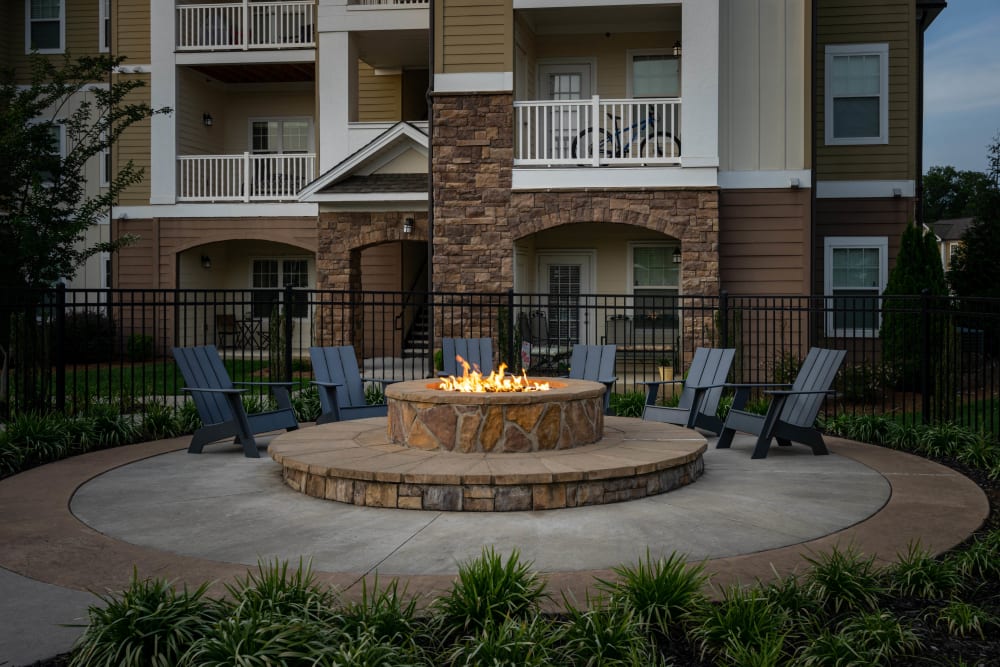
401,323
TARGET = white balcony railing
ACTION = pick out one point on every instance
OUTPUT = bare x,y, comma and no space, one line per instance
388,3
245,177
598,132
245,25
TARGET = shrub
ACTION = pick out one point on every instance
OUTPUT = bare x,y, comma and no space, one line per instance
273,589
306,405
629,404
374,394
747,621
33,439
962,619
859,383
605,635
662,591
88,337
917,574
489,590
512,641
139,347
150,624
843,580
253,638
382,613
158,421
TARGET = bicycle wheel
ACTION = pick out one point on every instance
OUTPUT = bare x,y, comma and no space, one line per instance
663,145
583,142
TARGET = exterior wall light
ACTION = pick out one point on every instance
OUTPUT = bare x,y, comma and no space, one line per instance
677,48
676,256
207,119
206,262
407,225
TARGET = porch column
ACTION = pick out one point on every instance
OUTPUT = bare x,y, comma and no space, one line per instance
163,93
700,83
337,87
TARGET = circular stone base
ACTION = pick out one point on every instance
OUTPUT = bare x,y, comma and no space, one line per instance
354,462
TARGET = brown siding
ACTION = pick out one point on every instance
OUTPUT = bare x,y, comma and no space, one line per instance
864,22
764,241
379,97
859,217
82,34
476,36
130,30
134,145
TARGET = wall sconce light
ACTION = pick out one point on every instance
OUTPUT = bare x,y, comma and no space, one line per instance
207,119
897,193
677,48
407,225
206,262
794,183
676,256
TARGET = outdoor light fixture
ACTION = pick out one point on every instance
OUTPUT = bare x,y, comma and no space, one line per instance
407,225
206,262
207,119
677,256
677,48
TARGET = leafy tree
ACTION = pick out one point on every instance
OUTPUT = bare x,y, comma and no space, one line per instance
918,268
974,267
949,193
45,209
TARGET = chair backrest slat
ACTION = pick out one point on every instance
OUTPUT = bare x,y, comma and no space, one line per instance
592,362
816,374
202,368
709,366
478,352
338,365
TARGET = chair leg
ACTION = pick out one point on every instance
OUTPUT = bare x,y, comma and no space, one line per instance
761,448
244,433
725,438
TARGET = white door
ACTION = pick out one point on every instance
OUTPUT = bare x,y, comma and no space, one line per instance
566,281
564,83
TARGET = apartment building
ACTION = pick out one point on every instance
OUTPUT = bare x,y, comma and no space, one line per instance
639,147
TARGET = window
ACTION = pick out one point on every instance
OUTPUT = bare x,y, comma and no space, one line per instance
273,275
104,26
856,271
106,277
280,136
655,281
52,164
857,94
654,73
45,29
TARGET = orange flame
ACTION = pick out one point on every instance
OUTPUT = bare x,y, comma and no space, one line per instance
473,381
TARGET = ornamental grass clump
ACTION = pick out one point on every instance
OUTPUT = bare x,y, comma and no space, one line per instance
149,625
276,590
918,574
964,619
488,592
663,591
525,642
385,613
746,625
844,580
605,634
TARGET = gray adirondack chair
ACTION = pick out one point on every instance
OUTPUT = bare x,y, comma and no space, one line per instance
595,363
341,387
699,401
478,352
220,405
792,413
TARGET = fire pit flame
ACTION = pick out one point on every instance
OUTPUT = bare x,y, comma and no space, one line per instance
473,381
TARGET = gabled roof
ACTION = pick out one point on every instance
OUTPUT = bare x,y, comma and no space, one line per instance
951,230
355,178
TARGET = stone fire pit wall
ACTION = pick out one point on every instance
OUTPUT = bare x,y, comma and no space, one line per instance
422,416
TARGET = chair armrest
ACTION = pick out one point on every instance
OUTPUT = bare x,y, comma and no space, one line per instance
796,393
326,384
214,391
659,382
756,385
611,380
705,386
287,385
381,381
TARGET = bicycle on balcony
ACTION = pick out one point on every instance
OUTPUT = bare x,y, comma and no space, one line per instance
653,142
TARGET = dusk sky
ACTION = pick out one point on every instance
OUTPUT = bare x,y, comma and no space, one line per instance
962,78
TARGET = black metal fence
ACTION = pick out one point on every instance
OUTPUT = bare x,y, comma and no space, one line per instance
923,358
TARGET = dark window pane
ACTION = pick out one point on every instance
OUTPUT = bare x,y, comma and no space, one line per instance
855,117
45,35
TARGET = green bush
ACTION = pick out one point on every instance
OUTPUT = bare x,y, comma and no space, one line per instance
844,581
918,574
88,337
139,347
605,634
629,404
746,622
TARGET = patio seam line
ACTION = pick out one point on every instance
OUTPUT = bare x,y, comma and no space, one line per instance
399,546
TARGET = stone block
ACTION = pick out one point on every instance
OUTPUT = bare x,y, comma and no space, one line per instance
479,505
477,491
340,489
409,502
379,494
548,496
512,498
443,498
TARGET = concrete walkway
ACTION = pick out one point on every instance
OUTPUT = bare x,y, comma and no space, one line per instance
82,525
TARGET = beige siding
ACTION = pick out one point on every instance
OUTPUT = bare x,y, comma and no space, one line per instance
130,30
379,97
874,22
763,85
475,36
195,98
764,241
134,145
277,101
380,267
525,57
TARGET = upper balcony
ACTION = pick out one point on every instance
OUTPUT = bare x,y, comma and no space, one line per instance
243,25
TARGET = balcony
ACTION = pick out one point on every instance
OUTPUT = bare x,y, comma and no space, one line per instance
235,26
243,178
598,132
388,4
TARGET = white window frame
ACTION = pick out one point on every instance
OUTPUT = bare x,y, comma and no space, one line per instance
835,50
830,243
280,259
62,28
281,119
630,288
630,55
105,269
104,26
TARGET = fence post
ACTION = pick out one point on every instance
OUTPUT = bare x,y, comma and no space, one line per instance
289,315
59,346
925,355
723,318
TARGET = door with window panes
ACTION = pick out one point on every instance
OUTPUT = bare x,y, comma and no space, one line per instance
564,83
269,278
655,286
273,143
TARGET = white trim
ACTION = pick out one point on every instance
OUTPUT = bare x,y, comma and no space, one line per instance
222,210
103,19
630,55
244,57
754,180
133,69
569,4
881,243
415,197
281,120
835,50
369,207
574,178
62,28
864,189
569,63
474,82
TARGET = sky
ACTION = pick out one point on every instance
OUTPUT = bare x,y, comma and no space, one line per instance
962,84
